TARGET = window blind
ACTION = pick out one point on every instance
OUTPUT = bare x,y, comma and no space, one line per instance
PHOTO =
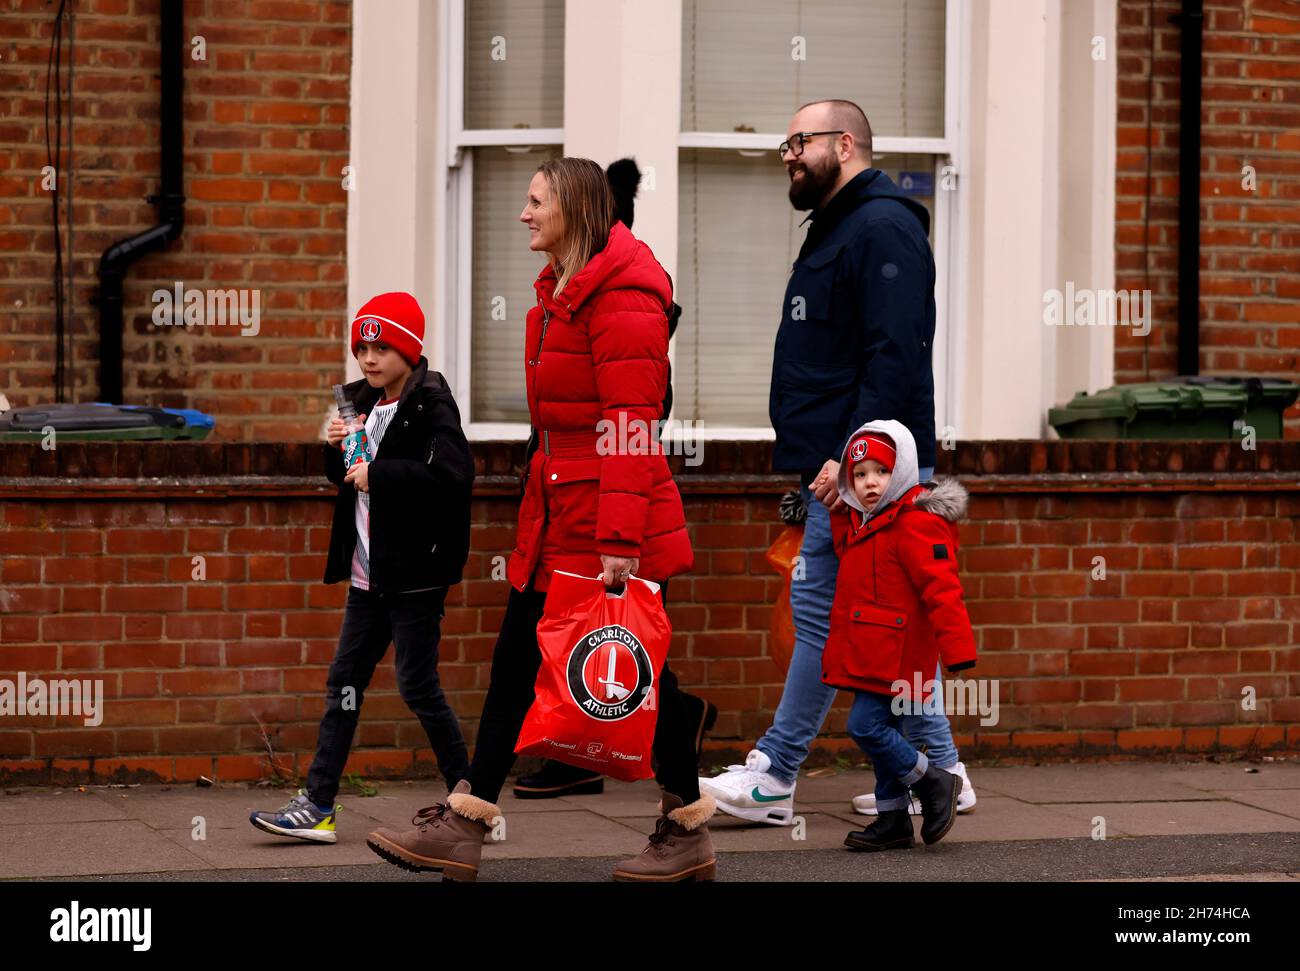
738,72
514,64
739,237
503,271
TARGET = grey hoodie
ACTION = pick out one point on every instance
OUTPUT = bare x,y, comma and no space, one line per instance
905,467
947,499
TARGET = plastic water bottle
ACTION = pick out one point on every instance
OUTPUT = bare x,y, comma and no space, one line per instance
355,446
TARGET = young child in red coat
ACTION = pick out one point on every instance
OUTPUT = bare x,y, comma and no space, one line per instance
898,608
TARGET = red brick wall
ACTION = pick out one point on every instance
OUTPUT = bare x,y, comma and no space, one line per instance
266,137
1250,273
1201,599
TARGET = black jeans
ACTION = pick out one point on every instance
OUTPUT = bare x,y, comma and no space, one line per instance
371,621
515,662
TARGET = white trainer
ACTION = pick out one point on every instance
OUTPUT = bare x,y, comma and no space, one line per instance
865,804
749,792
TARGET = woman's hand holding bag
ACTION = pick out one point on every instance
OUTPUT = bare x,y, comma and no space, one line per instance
615,570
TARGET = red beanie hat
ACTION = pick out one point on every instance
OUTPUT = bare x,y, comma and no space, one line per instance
873,445
394,319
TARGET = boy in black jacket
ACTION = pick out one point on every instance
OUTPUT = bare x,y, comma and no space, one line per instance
401,534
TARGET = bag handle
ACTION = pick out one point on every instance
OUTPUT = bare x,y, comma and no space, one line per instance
620,590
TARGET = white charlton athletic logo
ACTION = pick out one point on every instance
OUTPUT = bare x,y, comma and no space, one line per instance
609,673
857,450
370,330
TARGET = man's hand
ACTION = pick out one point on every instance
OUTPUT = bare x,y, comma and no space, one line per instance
825,488
616,569
359,476
337,431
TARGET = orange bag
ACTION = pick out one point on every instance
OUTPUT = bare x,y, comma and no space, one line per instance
781,555
602,653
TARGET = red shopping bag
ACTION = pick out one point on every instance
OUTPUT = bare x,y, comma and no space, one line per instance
596,702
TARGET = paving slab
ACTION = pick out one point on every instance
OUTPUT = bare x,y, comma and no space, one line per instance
731,835
1234,775
566,833
99,846
62,806
829,788
840,809
395,809
995,819
176,808
1178,818
999,819
1083,783
1283,801
619,799
244,847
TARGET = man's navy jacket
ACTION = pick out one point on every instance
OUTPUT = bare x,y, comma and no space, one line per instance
857,328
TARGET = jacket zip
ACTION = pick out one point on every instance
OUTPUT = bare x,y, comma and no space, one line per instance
546,319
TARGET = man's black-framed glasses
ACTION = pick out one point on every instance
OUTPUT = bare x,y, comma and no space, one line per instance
795,145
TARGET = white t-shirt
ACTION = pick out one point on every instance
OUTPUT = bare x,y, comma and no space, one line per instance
376,424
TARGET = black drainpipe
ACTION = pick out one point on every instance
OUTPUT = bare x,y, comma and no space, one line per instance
170,202
1190,23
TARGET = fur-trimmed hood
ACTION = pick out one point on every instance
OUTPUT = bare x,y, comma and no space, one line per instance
948,500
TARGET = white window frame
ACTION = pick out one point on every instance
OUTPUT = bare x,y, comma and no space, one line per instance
455,231
453,220
947,154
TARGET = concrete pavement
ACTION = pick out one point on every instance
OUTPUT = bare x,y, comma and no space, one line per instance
1162,820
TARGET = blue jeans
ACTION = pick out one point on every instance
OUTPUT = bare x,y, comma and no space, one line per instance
805,700
932,731
896,764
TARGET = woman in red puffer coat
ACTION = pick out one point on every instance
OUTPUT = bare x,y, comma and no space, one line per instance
595,502
597,361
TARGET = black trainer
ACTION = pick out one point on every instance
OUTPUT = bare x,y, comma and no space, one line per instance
558,779
937,791
892,830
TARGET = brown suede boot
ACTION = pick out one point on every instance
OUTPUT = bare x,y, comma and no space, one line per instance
448,836
679,849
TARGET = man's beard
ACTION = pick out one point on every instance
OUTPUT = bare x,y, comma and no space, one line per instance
808,192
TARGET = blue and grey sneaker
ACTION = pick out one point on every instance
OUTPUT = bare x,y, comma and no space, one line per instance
300,818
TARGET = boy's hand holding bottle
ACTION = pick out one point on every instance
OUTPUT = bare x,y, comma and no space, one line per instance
350,429
338,431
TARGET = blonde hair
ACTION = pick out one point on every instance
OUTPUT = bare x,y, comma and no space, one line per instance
584,204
